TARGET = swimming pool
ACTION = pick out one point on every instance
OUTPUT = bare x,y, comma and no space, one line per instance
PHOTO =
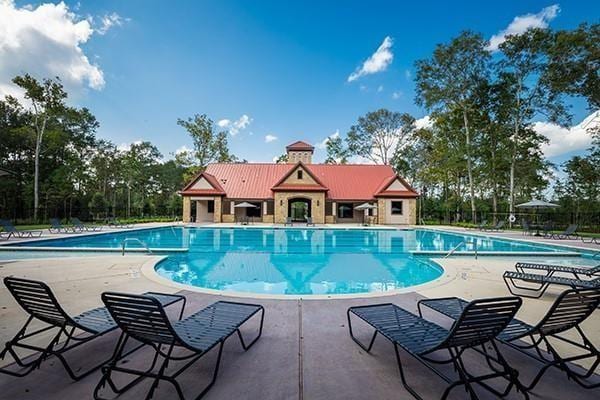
295,261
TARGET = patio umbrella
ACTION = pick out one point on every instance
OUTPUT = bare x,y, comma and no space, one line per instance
537,205
245,204
366,207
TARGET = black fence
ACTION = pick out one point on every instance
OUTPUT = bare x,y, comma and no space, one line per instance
86,214
588,222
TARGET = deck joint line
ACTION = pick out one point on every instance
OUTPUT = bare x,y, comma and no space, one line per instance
300,349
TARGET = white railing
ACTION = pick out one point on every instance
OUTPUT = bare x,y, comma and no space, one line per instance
465,243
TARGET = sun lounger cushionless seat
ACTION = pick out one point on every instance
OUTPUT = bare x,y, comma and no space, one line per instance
57,227
143,318
568,233
542,283
10,230
551,269
37,299
83,227
567,312
479,323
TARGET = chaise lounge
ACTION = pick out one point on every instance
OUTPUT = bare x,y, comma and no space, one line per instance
143,318
569,233
567,313
37,299
9,230
542,282
57,227
478,324
84,227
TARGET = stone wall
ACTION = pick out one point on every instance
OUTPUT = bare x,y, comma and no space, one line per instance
187,209
218,210
412,211
268,219
410,207
381,211
317,211
228,218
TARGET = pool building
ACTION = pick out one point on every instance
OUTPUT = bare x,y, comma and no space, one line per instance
299,190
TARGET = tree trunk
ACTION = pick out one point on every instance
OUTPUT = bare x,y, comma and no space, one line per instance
469,166
36,174
513,159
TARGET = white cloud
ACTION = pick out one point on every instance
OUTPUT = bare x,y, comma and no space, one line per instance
270,138
378,62
424,122
523,22
380,89
234,127
566,140
183,149
109,21
45,41
407,74
323,144
396,95
363,88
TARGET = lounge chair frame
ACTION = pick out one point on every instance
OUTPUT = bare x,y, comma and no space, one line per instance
551,269
56,226
309,221
567,312
144,319
568,233
419,338
14,232
38,300
78,224
288,221
542,283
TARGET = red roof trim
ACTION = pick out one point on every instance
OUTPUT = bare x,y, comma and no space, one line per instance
291,171
299,188
299,145
386,184
211,179
398,193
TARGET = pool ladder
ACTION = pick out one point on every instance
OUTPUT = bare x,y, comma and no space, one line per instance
124,244
463,243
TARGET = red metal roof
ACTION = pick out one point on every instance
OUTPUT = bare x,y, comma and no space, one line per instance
299,145
344,182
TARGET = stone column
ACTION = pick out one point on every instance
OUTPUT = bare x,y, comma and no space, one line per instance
187,209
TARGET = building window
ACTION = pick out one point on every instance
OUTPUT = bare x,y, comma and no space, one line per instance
345,210
211,206
396,208
299,174
253,211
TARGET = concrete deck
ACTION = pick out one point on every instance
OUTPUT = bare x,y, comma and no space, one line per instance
305,351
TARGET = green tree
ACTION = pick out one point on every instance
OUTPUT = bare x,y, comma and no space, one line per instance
337,153
209,146
448,81
47,98
377,135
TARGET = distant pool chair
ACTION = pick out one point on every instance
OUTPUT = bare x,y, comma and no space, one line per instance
143,318
568,312
38,300
309,221
551,269
84,227
498,227
479,324
288,221
9,230
526,227
570,232
56,226
542,282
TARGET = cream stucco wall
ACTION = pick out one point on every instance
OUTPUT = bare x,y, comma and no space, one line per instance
409,212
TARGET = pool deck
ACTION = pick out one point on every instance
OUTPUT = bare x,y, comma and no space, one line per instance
305,351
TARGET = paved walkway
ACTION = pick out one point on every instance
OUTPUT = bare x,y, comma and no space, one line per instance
305,351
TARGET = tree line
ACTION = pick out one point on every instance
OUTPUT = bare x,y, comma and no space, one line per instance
478,152
55,166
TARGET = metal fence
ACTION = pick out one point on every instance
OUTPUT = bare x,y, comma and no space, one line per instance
87,214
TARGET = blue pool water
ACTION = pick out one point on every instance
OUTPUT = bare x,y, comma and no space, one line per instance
294,261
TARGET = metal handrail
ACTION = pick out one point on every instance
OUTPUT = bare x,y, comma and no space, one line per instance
124,243
474,243
454,249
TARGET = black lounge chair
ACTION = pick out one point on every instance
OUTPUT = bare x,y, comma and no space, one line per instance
309,221
542,282
115,223
288,221
482,225
526,227
39,302
57,227
144,319
498,227
76,222
479,324
567,312
593,239
570,232
9,230
552,269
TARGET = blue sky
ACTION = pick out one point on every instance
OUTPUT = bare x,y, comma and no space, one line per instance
283,65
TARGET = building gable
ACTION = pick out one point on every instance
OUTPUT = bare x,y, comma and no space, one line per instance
300,177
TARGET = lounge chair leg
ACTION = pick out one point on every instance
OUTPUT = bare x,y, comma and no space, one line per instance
402,377
247,346
362,346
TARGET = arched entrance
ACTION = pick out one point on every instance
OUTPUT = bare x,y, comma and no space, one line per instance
299,209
